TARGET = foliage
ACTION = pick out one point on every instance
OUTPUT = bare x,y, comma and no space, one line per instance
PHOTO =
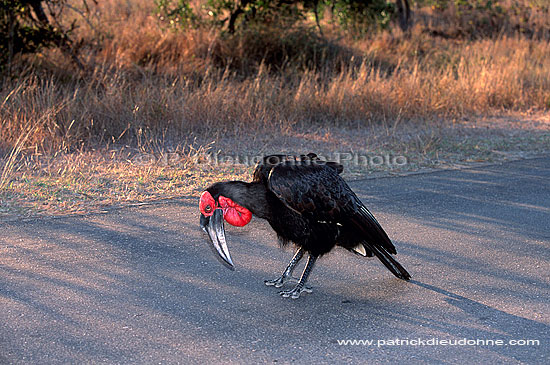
25,27
233,15
360,16
177,12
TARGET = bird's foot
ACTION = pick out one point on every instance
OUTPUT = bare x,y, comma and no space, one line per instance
295,293
279,282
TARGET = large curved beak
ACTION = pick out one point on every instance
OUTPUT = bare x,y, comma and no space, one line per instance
213,225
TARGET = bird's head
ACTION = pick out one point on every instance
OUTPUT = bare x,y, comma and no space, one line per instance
214,209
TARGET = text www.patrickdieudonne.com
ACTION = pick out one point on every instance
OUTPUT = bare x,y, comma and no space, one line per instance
434,341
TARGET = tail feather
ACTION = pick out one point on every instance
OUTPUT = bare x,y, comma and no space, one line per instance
388,261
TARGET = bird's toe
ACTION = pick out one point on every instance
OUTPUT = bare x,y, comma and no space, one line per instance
290,293
295,293
279,282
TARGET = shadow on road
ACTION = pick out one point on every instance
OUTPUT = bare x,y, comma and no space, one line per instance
141,284
501,325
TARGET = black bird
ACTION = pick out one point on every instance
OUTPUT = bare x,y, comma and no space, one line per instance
306,202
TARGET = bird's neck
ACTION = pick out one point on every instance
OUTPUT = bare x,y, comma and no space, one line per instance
252,196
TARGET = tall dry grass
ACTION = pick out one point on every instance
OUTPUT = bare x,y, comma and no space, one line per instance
150,89
147,84
480,19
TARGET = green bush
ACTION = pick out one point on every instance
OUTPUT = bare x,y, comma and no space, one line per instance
233,15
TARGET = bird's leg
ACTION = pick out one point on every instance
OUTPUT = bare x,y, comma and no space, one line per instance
299,288
288,271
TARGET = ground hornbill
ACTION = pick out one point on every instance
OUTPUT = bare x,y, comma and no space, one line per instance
306,202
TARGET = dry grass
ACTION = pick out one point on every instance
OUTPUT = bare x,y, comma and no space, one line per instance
527,17
154,89
90,181
396,80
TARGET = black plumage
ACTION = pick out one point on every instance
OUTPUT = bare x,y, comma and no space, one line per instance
307,202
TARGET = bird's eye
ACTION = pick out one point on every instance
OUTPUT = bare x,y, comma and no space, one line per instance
208,208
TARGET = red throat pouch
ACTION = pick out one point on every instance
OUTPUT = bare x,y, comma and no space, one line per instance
233,213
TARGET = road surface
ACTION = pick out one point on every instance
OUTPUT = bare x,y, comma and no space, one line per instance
140,285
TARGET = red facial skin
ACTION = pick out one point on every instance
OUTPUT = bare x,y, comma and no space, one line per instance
207,204
233,213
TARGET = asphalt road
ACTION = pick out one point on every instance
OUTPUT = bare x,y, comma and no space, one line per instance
140,285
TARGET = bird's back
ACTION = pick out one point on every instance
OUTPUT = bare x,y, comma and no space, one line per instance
264,167
317,203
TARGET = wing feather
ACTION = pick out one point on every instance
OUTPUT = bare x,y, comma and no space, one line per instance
314,189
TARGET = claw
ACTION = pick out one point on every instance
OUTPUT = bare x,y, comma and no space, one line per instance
279,282
276,283
295,293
